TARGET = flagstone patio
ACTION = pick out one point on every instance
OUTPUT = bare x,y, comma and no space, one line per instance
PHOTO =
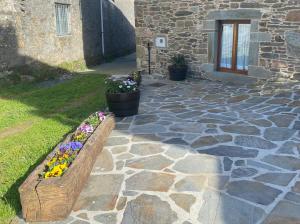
200,152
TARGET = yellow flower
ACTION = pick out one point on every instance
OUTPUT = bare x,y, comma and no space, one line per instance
56,172
48,175
52,161
63,166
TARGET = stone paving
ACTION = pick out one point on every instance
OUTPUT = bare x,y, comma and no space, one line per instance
200,152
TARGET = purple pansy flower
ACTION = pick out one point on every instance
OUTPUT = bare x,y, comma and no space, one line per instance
86,128
63,148
101,116
74,146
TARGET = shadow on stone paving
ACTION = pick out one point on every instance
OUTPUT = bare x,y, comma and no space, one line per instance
201,152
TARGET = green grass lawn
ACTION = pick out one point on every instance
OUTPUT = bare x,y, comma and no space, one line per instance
32,121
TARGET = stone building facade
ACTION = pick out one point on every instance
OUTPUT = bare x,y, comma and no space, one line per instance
28,32
192,27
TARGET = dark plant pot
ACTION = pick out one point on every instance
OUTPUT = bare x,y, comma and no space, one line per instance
123,104
177,73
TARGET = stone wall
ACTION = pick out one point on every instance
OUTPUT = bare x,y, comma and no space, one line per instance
191,28
119,30
28,32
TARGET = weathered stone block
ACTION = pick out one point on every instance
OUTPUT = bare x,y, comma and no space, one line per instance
293,16
293,43
234,14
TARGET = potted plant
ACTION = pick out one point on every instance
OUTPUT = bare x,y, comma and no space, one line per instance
122,97
136,76
178,68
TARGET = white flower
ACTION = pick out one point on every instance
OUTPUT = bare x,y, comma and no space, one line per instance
131,83
128,87
120,87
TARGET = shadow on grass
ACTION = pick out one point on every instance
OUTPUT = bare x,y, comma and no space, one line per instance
66,104
63,102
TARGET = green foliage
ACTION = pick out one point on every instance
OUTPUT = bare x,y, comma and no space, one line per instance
136,76
93,120
178,61
39,118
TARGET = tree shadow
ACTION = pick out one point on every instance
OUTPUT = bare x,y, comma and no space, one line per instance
119,40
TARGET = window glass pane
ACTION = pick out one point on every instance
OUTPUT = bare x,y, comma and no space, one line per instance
62,19
227,44
243,46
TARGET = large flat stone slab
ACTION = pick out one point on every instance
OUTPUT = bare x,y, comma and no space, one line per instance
113,141
187,127
281,179
278,134
108,218
241,129
144,149
296,187
219,208
284,213
148,129
104,162
253,191
282,120
230,151
195,164
150,181
285,162
100,194
254,142
289,147
157,162
243,172
191,183
148,209
211,140
146,138
145,119
184,201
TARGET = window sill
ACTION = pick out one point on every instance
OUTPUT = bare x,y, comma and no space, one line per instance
64,36
232,78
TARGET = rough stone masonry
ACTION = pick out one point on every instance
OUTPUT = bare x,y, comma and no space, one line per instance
191,28
28,32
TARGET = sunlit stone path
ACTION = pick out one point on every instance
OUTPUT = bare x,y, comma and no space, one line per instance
200,152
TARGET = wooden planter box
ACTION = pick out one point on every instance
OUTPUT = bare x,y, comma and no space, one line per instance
53,199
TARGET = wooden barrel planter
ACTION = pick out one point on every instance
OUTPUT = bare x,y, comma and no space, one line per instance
52,199
123,104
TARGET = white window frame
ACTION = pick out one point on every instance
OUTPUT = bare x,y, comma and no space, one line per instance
58,19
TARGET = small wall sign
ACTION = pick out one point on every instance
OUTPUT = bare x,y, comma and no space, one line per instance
161,42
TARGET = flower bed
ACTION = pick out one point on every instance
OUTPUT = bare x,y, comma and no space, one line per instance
51,190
